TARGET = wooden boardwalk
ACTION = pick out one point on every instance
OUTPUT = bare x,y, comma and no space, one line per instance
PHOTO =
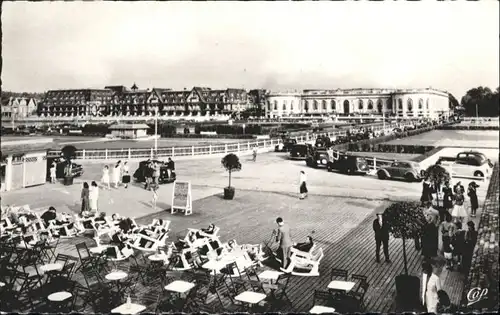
342,227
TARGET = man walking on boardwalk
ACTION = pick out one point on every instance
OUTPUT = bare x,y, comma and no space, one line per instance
381,237
284,237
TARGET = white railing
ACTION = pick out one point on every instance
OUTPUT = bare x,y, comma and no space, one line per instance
196,151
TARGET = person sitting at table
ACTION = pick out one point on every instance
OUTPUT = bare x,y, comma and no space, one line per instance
126,225
187,241
119,239
49,215
306,246
210,231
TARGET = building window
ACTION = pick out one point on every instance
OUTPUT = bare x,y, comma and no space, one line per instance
269,105
275,105
380,106
324,105
333,105
389,104
427,105
420,103
306,106
400,104
284,105
291,105
360,104
370,105
409,104
315,105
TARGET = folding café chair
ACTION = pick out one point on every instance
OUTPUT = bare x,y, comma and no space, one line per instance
278,294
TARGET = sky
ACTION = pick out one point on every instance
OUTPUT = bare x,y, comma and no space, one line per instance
452,46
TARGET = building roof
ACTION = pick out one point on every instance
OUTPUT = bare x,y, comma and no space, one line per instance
128,126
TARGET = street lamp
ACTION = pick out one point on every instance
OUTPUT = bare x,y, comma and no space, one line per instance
156,131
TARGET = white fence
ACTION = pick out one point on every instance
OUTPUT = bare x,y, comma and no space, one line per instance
197,151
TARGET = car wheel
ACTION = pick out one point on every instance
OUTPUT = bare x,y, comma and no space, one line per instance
478,174
410,177
381,175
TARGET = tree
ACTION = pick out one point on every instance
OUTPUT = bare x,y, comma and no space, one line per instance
405,220
231,163
481,101
438,175
452,101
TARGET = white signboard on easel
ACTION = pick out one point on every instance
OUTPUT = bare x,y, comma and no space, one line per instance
181,198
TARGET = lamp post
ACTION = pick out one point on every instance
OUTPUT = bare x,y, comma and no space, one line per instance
156,131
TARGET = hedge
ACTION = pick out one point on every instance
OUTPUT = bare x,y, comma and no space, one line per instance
370,143
474,127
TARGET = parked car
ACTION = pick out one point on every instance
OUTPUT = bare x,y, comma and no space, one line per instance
407,170
317,157
142,170
348,164
76,169
286,145
467,164
300,151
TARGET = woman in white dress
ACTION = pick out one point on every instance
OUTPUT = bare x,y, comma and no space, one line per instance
433,286
93,197
426,274
117,173
125,174
459,212
105,177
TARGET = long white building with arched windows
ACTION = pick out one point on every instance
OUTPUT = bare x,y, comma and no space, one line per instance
401,103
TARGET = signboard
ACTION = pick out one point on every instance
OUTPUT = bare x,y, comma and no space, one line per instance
181,198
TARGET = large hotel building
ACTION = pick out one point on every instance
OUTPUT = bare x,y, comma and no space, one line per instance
118,101
407,103
115,101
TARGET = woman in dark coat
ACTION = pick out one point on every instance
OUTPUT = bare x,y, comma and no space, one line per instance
448,196
85,197
430,239
426,197
472,193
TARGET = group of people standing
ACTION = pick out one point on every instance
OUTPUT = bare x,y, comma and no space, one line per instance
453,200
90,198
120,174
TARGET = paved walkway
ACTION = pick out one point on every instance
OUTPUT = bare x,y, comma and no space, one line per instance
271,173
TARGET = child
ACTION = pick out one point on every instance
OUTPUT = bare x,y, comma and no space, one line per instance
448,249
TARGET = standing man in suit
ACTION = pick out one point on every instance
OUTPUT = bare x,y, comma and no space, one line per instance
284,237
381,236
170,167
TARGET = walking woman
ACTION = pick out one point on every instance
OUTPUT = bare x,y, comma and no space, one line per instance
105,177
302,184
459,212
93,196
472,193
85,198
447,196
117,174
53,173
125,174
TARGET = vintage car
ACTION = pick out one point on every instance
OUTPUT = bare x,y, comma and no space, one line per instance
76,169
407,170
286,145
348,164
316,158
143,169
467,164
300,151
